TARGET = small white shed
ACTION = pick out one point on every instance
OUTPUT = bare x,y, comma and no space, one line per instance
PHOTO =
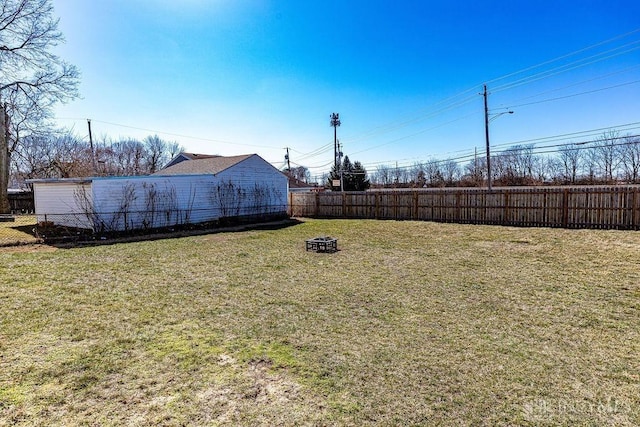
188,192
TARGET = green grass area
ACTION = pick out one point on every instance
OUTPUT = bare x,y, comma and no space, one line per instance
410,323
19,231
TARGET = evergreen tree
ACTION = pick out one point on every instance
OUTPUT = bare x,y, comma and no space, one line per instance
360,180
353,176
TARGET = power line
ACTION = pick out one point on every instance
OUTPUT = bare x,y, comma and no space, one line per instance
173,134
563,68
511,106
402,124
314,153
416,133
391,127
601,43
575,94
511,145
448,101
469,154
578,83
590,132
537,150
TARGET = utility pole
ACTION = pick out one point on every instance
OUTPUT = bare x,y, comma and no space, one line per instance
335,122
286,158
486,134
93,153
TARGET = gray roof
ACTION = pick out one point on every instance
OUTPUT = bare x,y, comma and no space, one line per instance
188,156
196,156
201,166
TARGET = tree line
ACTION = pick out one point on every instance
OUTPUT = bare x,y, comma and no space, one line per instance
609,159
64,155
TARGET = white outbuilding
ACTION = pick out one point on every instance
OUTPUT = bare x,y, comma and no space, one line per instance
188,191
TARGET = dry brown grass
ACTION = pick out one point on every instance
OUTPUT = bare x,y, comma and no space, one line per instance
18,232
409,323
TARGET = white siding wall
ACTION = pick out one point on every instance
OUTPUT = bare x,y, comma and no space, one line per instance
251,187
262,187
151,202
63,203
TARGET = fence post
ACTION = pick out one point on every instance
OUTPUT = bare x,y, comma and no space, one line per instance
344,204
634,199
565,208
506,213
415,204
395,205
317,209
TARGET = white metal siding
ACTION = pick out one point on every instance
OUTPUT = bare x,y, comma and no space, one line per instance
152,202
63,203
263,187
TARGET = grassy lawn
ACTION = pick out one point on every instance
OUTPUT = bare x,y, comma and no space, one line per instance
410,323
18,231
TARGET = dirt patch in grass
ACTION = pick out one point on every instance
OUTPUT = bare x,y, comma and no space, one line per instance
410,323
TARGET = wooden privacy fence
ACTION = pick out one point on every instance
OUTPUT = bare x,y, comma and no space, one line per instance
607,207
21,202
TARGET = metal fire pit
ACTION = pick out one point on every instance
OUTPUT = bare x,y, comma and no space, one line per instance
322,244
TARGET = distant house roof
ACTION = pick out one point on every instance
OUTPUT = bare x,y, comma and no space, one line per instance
203,165
296,183
188,156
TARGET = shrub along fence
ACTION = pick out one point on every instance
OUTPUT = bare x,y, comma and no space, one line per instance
606,207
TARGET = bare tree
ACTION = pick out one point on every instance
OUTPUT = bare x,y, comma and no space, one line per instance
606,154
630,152
156,153
30,159
433,173
475,171
32,78
69,157
418,176
130,157
501,168
450,172
571,158
590,164
383,175
524,160
300,173
543,168
397,174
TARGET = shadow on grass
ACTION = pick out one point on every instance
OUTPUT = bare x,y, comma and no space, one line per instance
72,241
17,234
26,229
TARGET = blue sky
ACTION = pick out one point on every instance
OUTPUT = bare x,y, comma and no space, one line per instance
241,76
